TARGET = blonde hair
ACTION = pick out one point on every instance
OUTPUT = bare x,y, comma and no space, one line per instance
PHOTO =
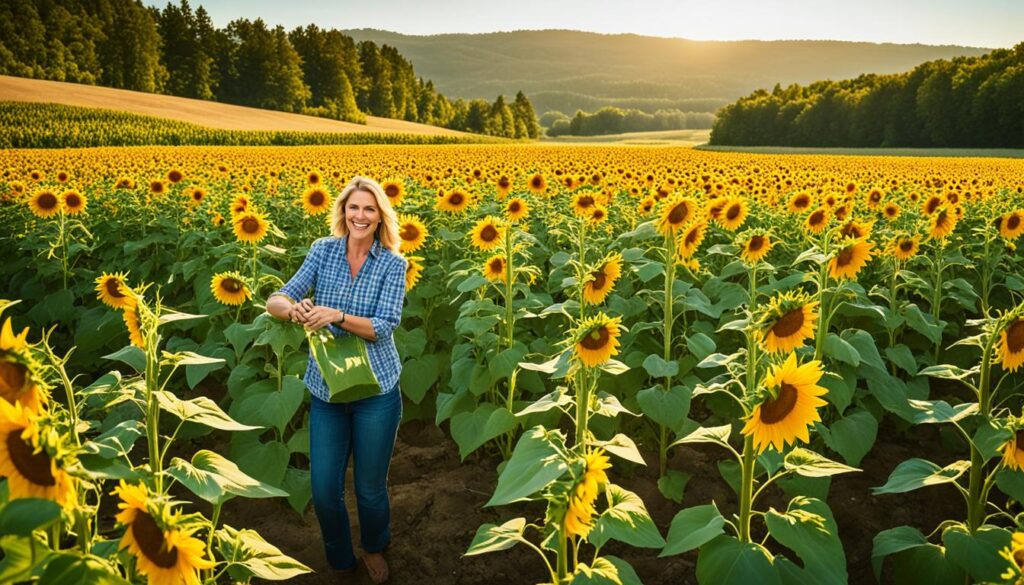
387,229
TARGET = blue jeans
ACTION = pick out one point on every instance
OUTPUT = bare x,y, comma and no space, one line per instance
365,429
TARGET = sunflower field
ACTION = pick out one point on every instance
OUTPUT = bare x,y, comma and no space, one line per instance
578,314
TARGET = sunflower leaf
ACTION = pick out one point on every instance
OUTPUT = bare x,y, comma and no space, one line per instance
536,461
217,479
200,410
130,355
622,446
810,464
939,411
493,538
978,553
891,541
917,473
717,435
627,520
251,556
693,527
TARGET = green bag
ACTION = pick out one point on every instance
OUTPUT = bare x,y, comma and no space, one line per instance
345,365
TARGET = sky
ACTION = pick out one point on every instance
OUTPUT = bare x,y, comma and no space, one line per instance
977,23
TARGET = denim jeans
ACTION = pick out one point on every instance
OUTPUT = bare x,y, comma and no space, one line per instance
364,429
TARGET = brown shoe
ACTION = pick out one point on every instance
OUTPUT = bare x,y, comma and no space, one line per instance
376,567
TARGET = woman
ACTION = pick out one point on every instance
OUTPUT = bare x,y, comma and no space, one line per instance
358,279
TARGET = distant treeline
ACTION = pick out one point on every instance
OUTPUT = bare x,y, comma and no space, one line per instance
963,102
569,101
613,120
178,51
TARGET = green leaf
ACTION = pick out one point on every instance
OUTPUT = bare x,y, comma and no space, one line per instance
810,464
622,446
990,438
673,484
700,345
21,556
493,538
727,561
266,462
939,411
947,372
502,365
604,572
20,517
419,375
216,479
927,565
865,345
717,435
200,410
853,436
923,324
916,473
891,541
240,335
255,557
470,430
300,490
473,282
657,367
170,316
665,408
692,528
1011,483
536,461
131,355
116,442
626,520
839,349
978,554
809,529
547,402
264,405
903,358
70,569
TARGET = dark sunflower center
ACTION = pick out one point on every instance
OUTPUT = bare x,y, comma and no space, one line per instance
12,380
114,288
756,243
1015,336
489,233
906,245
789,324
586,201
47,201
156,187
151,541
316,198
455,199
34,467
174,176
409,232
851,230
932,204
801,202
197,195
391,191
679,214
232,285
778,408
1013,222
72,200
876,197
817,217
596,339
598,214
503,182
514,207
536,182
1019,440
314,179
845,257
497,265
250,225
733,212
600,279
691,236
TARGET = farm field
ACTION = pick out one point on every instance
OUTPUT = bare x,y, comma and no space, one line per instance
621,364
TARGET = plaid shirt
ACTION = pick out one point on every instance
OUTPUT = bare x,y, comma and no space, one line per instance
377,292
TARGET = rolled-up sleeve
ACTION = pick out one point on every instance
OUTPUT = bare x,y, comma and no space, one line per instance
300,284
389,309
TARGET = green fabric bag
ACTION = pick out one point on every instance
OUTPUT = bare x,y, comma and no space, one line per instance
345,365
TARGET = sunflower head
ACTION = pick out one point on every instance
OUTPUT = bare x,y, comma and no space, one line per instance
394,189
494,268
598,214
74,202
21,380
596,340
733,213
488,233
1011,341
583,203
537,184
230,288
580,511
602,279
787,406
854,229
689,239
1013,553
112,289
754,245
891,210
800,202
455,201
516,209
45,203
942,222
412,232
316,200
904,246
817,220
787,321
250,226
1011,225
413,271
33,457
676,212
850,256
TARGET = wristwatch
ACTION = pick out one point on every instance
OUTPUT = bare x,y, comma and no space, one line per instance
342,320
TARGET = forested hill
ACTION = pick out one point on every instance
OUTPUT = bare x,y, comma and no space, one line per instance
963,102
177,50
569,70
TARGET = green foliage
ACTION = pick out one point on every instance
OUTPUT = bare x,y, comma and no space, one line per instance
612,120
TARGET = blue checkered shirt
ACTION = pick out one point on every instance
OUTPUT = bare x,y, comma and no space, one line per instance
377,292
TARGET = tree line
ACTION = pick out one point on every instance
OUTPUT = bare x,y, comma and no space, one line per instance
178,51
613,120
963,102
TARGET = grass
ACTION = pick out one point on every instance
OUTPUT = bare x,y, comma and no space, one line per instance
944,152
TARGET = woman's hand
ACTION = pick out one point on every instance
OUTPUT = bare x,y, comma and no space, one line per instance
299,312
317,317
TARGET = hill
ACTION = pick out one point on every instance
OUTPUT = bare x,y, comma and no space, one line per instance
568,70
203,113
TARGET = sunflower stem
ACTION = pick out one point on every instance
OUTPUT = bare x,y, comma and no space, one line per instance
819,341
977,492
937,267
670,278
563,553
209,537
746,487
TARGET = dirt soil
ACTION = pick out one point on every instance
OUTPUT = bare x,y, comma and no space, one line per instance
437,505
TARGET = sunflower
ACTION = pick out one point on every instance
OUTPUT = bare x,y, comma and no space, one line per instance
157,187
124,183
395,191
646,205
851,257
20,381
1012,225
74,202
412,232
800,202
733,214
44,203
817,220
516,209
597,339
789,407
30,466
250,226
855,229
504,185
110,289
788,321
195,195
690,239
891,210
314,178
165,553
579,514
536,184
755,247
487,234
413,272
602,279
904,247
942,223
1013,553
133,321
230,288
931,204
1011,345
1013,451
217,219
583,204
239,204
676,212
175,176
874,198
316,200
63,177
598,214
494,268
455,201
